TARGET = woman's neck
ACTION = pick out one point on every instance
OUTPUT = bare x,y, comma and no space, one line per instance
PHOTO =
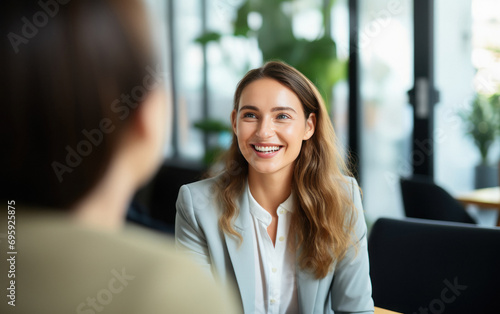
106,205
270,190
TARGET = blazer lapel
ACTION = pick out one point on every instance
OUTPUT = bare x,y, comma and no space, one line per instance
242,256
307,288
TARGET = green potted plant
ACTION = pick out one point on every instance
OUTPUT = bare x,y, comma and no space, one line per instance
482,125
216,130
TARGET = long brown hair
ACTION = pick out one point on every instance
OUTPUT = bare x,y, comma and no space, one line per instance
325,214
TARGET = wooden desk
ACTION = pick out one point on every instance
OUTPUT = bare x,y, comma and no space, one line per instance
379,310
488,198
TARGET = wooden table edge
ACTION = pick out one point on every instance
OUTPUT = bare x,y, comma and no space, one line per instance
379,310
483,205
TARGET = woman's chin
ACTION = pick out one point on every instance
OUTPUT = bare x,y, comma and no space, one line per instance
269,169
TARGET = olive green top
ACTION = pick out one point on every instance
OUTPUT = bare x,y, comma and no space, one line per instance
63,267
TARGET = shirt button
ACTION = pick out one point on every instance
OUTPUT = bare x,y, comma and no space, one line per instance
274,270
282,238
282,211
272,301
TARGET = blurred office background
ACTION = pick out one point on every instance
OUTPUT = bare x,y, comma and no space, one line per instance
401,79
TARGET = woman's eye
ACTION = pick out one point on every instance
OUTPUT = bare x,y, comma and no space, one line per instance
282,116
248,115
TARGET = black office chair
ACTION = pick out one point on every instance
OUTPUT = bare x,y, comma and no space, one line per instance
153,205
166,185
424,266
422,198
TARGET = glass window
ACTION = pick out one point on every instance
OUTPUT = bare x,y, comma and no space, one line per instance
386,71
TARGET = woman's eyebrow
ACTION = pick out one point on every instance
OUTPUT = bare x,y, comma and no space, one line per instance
284,108
248,107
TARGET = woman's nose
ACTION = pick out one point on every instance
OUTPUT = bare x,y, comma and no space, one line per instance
265,129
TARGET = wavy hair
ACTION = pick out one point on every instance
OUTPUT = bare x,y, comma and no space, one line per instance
324,211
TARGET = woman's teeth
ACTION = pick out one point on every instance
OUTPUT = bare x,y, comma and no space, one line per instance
266,149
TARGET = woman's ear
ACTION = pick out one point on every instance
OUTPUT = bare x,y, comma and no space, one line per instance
233,120
145,137
150,117
310,126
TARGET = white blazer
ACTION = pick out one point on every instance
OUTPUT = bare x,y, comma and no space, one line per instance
345,289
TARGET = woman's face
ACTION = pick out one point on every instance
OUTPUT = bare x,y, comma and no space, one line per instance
270,125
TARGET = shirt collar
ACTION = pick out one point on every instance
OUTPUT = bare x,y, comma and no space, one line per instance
288,203
260,213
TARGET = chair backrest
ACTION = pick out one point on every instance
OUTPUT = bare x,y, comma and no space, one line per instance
423,266
422,198
165,190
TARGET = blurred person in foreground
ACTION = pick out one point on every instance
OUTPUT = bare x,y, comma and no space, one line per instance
83,126
283,218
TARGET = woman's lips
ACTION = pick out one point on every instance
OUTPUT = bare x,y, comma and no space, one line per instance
266,148
266,151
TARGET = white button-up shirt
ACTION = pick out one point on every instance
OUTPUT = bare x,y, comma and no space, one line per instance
275,285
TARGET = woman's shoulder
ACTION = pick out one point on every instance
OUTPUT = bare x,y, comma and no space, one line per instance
350,180
198,196
350,184
203,187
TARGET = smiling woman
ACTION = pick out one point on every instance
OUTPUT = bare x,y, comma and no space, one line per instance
285,223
